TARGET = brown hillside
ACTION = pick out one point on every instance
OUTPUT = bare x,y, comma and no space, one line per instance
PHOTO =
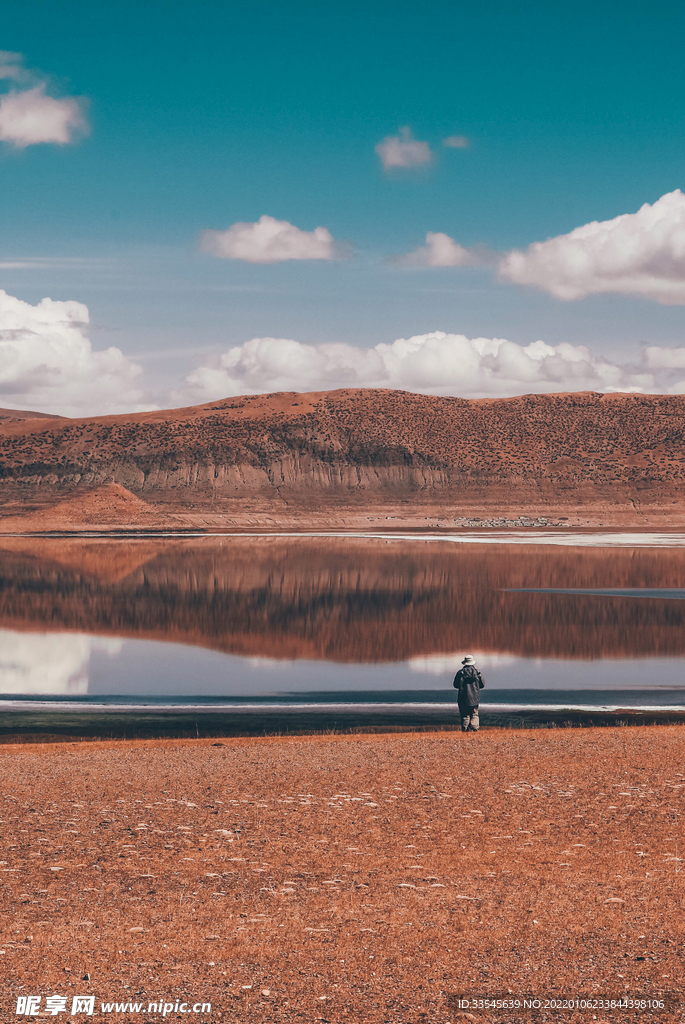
103,507
357,449
24,414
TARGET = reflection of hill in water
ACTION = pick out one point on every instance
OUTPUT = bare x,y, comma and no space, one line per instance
346,600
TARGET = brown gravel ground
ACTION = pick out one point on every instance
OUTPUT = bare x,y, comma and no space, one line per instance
347,878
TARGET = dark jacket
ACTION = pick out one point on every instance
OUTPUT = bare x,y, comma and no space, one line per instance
469,682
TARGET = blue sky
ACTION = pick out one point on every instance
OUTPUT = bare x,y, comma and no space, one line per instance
200,116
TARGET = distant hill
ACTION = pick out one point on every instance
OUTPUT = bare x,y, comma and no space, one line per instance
24,414
105,507
288,455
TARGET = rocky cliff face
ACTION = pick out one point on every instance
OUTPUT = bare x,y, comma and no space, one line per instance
362,446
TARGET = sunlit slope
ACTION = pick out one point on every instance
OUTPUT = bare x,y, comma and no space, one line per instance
362,447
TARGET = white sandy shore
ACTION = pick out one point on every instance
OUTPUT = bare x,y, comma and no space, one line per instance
358,708
564,538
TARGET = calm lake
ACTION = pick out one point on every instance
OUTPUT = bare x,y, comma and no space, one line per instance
590,620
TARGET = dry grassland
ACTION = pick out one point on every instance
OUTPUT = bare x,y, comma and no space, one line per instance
356,878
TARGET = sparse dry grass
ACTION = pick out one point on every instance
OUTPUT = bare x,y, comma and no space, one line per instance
364,878
288,459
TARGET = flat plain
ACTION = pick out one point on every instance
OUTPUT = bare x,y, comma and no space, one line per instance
348,878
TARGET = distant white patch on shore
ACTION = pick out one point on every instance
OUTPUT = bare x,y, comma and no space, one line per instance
566,538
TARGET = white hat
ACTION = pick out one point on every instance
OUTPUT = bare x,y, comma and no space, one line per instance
469,660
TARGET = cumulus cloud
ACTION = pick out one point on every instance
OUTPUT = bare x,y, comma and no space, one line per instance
30,116
667,366
639,254
456,142
439,251
47,362
436,363
269,241
403,151
659,358
32,663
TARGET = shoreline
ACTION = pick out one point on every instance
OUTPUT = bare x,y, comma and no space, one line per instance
70,723
591,536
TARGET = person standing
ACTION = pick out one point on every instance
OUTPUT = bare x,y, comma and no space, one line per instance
468,682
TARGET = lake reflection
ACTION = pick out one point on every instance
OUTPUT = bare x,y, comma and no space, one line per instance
258,617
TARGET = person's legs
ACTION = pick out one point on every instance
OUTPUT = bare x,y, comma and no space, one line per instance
474,725
465,719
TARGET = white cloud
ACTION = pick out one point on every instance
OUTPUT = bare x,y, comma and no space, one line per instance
29,116
456,142
657,358
667,366
403,151
32,663
436,363
47,363
639,253
50,663
439,251
11,65
441,664
269,241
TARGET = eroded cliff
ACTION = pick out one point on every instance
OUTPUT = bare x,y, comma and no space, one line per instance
362,447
